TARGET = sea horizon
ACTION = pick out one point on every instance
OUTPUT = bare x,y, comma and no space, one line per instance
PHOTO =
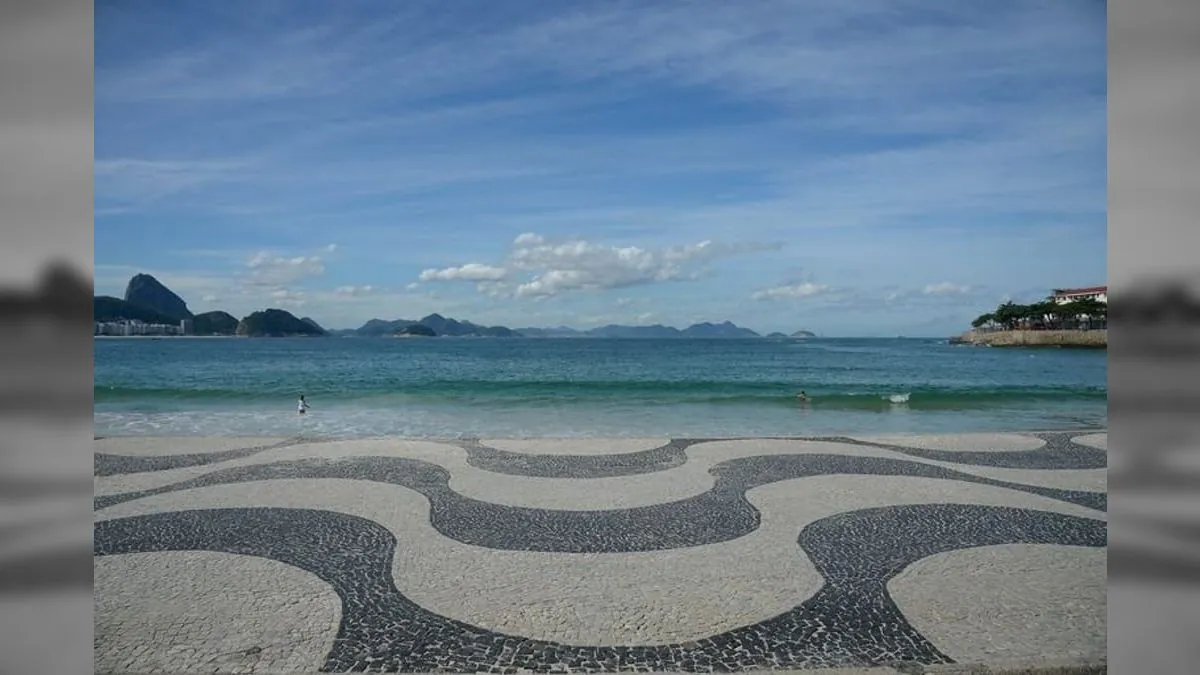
599,387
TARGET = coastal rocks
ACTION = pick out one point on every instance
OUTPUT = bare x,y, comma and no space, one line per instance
144,290
1094,339
276,323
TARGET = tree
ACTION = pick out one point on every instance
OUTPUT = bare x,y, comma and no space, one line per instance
1094,310
1009,314
983,320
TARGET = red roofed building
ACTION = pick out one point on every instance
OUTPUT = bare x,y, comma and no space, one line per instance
1064,295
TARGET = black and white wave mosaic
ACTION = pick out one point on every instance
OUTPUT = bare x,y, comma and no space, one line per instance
851,621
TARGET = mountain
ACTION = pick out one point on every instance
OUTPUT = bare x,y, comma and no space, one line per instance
276,323
556,332
376,327
803,334
443,326
214,323
726,329
438,324
312,323
776,335
416,330
146,291
108,308
615,331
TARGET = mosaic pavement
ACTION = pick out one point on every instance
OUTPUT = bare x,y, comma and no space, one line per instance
505,556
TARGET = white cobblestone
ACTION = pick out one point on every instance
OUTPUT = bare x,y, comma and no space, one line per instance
967,604
1098,441
575,446
212,612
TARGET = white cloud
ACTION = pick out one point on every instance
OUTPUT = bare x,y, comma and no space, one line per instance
468,272
331,248
553,268
271,270
353,291
578,264
529,239
946,288
806,289
287,298
210,299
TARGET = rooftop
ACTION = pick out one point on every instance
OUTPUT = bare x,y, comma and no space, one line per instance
1081,291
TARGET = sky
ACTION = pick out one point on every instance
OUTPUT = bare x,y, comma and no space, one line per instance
853,168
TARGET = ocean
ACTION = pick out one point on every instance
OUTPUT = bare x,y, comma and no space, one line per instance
522,387
450,387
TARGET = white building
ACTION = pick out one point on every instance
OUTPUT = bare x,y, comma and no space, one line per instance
1064,295
129,327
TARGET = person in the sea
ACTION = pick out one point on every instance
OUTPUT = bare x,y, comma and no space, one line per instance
302,406
802,397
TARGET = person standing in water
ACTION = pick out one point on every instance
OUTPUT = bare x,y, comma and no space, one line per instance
302,406
802,397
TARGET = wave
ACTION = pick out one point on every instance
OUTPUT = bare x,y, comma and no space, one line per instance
558,393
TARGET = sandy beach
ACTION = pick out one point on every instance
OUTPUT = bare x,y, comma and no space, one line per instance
275,554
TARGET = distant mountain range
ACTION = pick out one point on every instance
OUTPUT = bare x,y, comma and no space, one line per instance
725,329
148,300
439,324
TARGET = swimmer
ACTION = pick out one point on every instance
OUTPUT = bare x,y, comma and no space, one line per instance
802,397
302,406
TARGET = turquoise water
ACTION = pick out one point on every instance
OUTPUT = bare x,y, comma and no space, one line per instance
576,387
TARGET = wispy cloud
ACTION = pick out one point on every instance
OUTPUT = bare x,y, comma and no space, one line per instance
946,288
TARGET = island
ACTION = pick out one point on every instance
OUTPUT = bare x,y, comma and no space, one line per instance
276,323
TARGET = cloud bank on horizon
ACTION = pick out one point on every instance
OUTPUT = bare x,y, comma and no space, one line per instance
855,168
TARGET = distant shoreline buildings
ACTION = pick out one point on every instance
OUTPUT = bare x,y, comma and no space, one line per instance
131,327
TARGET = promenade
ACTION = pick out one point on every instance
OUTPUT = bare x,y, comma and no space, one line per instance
278,555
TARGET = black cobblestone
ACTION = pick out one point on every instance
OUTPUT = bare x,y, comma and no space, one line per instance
850,622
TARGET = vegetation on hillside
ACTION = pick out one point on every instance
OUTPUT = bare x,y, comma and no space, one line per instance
214,323
1046,315
276,323
108,308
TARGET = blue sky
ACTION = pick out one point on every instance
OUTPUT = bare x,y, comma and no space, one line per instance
857,167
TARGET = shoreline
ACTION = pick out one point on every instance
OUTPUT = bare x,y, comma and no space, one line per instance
608,438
